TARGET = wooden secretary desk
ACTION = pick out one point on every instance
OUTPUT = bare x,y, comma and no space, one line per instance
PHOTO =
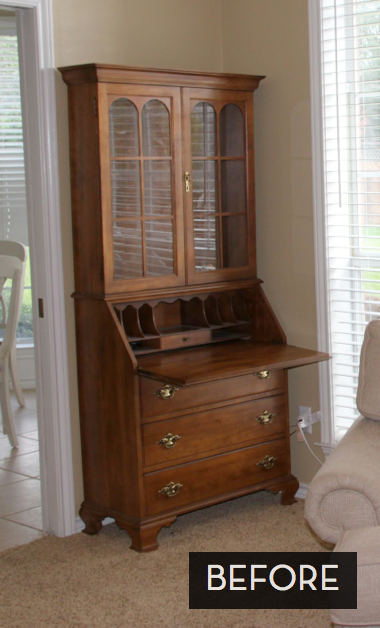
181,361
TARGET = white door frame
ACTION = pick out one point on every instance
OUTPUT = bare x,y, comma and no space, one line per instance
41,164
328,441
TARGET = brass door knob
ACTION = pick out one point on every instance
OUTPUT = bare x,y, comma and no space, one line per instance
266,417
267,462
263,374
166,392
171,489
169,440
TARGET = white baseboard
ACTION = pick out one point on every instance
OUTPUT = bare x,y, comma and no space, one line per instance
301,493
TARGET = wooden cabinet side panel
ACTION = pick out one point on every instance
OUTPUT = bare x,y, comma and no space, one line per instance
287,422
85,189
251,187
109,412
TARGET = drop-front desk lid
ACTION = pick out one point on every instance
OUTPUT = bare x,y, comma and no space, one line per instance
218,361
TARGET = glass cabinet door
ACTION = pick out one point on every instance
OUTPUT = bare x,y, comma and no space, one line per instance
142,214
218,194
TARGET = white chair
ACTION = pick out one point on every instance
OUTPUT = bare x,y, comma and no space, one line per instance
12,266
16,249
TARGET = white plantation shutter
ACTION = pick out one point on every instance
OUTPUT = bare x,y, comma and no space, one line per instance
350,50
13,214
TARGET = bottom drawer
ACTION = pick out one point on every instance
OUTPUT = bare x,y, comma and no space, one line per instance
213,476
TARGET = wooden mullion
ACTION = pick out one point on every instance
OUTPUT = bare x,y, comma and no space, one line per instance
218,215
143,216
140,158
205,180
127,219
173,185
142,194
147,218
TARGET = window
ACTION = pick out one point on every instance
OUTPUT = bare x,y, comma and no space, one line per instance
346,102
13,209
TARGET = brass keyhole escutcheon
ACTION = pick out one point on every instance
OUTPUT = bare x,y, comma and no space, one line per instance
166,392
266,417
169,440
171,489
267,462
263,374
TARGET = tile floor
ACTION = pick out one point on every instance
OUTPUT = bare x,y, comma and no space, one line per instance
20,491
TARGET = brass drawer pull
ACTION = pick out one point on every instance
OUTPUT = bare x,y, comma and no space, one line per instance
263,374
171,489
266,417
267,462
166,392
169,440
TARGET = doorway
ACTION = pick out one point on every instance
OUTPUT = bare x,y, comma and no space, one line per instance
34,29
20,484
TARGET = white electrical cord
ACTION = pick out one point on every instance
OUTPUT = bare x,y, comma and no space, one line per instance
308,446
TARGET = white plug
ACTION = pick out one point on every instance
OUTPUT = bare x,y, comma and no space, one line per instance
316,417
304,419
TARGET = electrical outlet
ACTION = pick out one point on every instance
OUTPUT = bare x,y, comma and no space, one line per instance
304,411
304,419
305,428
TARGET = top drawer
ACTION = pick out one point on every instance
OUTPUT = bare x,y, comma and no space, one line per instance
154,401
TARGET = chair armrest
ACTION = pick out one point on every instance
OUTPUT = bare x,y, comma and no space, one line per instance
345,493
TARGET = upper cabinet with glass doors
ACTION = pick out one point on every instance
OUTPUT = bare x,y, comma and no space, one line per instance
219,190
140,159
162,177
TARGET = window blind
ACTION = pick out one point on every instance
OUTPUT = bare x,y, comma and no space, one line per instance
13,212
350,60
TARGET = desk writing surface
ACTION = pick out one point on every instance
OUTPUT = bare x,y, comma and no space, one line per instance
218,361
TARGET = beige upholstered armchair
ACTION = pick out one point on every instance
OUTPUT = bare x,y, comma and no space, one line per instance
343,501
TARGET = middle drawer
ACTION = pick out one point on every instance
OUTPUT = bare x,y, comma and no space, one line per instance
221,429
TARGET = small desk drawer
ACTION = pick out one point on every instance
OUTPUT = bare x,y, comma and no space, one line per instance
205,479
198,435
178,341
154,403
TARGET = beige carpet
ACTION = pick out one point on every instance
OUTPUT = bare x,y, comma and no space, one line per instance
92,582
